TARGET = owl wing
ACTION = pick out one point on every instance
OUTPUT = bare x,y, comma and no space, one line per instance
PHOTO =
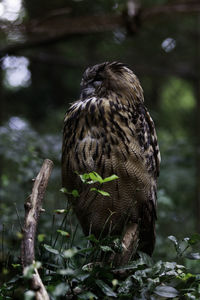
148,141
107,137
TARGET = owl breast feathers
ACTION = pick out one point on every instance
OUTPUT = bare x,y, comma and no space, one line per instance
109,131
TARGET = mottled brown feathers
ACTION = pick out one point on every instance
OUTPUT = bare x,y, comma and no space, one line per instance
110,131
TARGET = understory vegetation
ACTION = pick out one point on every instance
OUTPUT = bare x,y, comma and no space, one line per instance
70,267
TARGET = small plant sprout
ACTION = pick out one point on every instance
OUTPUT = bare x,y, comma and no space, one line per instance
74,193
93,177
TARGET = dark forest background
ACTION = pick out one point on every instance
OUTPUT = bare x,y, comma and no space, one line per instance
45,46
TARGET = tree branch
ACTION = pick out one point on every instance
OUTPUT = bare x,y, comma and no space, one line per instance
189,7
33,207
48,31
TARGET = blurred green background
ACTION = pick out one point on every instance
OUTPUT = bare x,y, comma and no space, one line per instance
45,46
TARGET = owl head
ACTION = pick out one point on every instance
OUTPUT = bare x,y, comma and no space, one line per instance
109,77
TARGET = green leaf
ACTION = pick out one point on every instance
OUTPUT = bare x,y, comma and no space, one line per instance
82,276
84,177
63,233
75,193
176,244
194,256
60,211
60,289
194,239
157,267
95,177
169,265
126,285
100,192
41,237
138,277
5,180
105,288
106,249
173,239
92,239
146,258
87,295
132,265
37,264
63,190
115,282
166,291
50,249
110,178
86,250
70,252
16,265
29,270
29,295
65,272
90,178
190,296
186,276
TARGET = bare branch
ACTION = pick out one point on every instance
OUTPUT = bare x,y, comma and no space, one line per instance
40,290
52,32
32,212
129,244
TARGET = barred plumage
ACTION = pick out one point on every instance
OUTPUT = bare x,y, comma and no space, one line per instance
110,131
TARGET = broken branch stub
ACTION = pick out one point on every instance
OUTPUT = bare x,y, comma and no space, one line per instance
33,207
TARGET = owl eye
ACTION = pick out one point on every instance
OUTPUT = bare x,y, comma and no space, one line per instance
98,77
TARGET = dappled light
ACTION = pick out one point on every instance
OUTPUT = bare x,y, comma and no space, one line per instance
17,124
10,9
16,70
168,44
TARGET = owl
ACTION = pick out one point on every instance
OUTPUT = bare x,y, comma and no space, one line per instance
109,131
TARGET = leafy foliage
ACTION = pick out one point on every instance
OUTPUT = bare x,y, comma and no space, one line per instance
93,177
142,278
85,271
